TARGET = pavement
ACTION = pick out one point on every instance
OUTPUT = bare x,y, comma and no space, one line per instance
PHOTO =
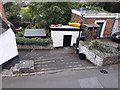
92,78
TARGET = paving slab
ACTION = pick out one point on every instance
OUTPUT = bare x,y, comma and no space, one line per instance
91,82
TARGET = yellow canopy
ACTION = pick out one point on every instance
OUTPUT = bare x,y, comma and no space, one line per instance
74,24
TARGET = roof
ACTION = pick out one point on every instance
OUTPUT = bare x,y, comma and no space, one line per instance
91,14
35,33
91,25
65,27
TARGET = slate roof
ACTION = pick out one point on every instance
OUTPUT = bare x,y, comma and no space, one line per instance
35,33
91,25
94,13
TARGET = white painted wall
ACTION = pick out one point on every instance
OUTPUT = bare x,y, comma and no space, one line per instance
91,56
116,27
58,36
8,47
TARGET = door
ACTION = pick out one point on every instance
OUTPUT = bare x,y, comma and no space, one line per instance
67,40
100,28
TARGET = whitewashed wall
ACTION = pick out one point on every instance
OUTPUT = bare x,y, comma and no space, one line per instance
8,48
90,55
58,36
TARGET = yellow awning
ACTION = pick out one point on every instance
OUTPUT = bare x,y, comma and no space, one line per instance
74,24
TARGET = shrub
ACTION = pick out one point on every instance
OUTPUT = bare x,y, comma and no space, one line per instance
20,33
33,41
95,44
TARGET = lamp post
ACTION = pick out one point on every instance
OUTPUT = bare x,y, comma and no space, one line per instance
83,11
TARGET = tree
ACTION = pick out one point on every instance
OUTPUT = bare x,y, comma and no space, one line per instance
51,12
13,14
108,6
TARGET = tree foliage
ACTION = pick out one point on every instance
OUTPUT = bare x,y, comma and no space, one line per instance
12,11
51,12
42,14
108,6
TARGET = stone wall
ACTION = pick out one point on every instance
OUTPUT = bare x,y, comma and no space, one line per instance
98,58
90,55
111,60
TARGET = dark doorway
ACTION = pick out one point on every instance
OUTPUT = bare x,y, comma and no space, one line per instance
100,29
67,40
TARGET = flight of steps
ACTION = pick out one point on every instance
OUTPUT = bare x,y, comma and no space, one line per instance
50,64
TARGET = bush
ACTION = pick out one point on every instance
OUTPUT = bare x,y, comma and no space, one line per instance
33,41
95,44
20,33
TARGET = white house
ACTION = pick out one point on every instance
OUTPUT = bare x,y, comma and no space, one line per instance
64,36
8,47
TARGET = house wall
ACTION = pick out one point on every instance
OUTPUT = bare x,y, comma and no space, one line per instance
108,27
58,36
2,12
8,47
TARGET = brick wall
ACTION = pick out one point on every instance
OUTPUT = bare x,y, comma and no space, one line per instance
108,27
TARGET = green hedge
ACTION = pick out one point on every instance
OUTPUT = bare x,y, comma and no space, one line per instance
33,41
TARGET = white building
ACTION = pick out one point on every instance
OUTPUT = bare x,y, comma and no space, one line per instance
8,47
64,36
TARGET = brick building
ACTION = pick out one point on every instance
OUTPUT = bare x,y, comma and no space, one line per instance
105,20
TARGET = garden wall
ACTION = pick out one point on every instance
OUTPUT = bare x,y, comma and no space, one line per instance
98,58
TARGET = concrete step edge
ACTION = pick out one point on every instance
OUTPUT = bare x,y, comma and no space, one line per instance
50,72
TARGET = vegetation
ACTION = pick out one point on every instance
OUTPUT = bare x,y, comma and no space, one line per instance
42,14
107,6
20,33
33,41
12,11
48,13
98,8
95,44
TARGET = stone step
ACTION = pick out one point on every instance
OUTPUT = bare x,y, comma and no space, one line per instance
57,63
7,72
59,68
26,66
50,59
70,61
16,68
